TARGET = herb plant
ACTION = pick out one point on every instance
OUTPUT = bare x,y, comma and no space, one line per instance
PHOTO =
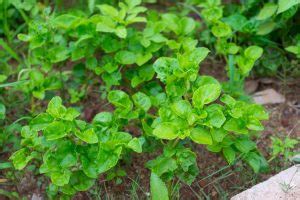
143,66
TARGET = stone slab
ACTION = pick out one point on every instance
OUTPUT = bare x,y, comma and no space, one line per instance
282,186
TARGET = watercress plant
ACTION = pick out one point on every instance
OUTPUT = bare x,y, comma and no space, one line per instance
146,65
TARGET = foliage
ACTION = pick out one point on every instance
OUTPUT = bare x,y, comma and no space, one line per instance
231,28
72,152
283,147
145,65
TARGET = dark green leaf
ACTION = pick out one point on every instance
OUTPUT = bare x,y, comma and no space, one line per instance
244,145
2,111
229,154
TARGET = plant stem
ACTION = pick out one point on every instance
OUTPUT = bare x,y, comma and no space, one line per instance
32,105
231,69
175,142
5,22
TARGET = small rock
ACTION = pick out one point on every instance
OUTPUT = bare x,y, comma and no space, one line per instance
267,80
268,96
36,197
251,86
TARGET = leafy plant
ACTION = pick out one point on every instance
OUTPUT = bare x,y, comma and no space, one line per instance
75,150
283,147
72,152
231,28
145,65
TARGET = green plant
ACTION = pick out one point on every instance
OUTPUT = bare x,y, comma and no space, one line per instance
146,67
295,49
283,148
231,28
73,152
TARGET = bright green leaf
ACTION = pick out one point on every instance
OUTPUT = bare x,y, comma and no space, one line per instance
206,94
218,134
125,57
121,32
142,101
2,78
107,159
254,124
55,130
253,52
65,21
20,158
166,130
103,118
201,136
108,10
81,182
55,107
228,100
136,145
235,125
60,178
284,5
267,11
221,29
187,25
158,188
71,114
119,99
182,108
165,67
88,136
41,121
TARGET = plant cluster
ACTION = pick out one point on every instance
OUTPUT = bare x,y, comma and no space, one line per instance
145,65
229,27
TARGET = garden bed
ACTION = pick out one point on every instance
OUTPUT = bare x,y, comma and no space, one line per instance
146,99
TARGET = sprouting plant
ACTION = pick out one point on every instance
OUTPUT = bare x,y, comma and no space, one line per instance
283,147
